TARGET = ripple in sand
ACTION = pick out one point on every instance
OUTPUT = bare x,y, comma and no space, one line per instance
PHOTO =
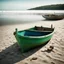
45,61
52,63
26,63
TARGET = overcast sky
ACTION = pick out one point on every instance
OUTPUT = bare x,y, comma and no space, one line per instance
26,4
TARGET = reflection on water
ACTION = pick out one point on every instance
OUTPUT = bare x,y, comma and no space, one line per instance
10,19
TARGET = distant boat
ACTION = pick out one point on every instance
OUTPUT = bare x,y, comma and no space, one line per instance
33,37
53,16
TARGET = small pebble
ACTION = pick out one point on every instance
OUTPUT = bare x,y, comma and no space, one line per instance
50,48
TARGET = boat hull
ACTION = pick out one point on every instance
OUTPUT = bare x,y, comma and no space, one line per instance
28,42
53,17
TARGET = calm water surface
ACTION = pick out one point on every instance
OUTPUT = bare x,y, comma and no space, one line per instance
23,16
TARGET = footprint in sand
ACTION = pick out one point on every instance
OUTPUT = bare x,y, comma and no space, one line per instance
34,58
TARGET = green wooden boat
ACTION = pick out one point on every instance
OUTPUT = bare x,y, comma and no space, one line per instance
33,37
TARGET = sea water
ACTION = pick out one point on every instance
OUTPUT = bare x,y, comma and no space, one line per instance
12,17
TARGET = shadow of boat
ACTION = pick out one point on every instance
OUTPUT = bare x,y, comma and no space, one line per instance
12,54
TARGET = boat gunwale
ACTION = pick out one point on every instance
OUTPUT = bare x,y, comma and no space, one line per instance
35,36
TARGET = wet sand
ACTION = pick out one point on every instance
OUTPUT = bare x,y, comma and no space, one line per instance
10,52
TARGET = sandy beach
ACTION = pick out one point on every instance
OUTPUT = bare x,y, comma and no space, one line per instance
11,54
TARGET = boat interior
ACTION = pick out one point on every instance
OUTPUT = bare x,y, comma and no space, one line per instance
32,33
43,29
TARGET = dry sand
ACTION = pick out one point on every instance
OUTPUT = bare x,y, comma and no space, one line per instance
10,53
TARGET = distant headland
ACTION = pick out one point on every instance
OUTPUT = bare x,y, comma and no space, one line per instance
49,7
